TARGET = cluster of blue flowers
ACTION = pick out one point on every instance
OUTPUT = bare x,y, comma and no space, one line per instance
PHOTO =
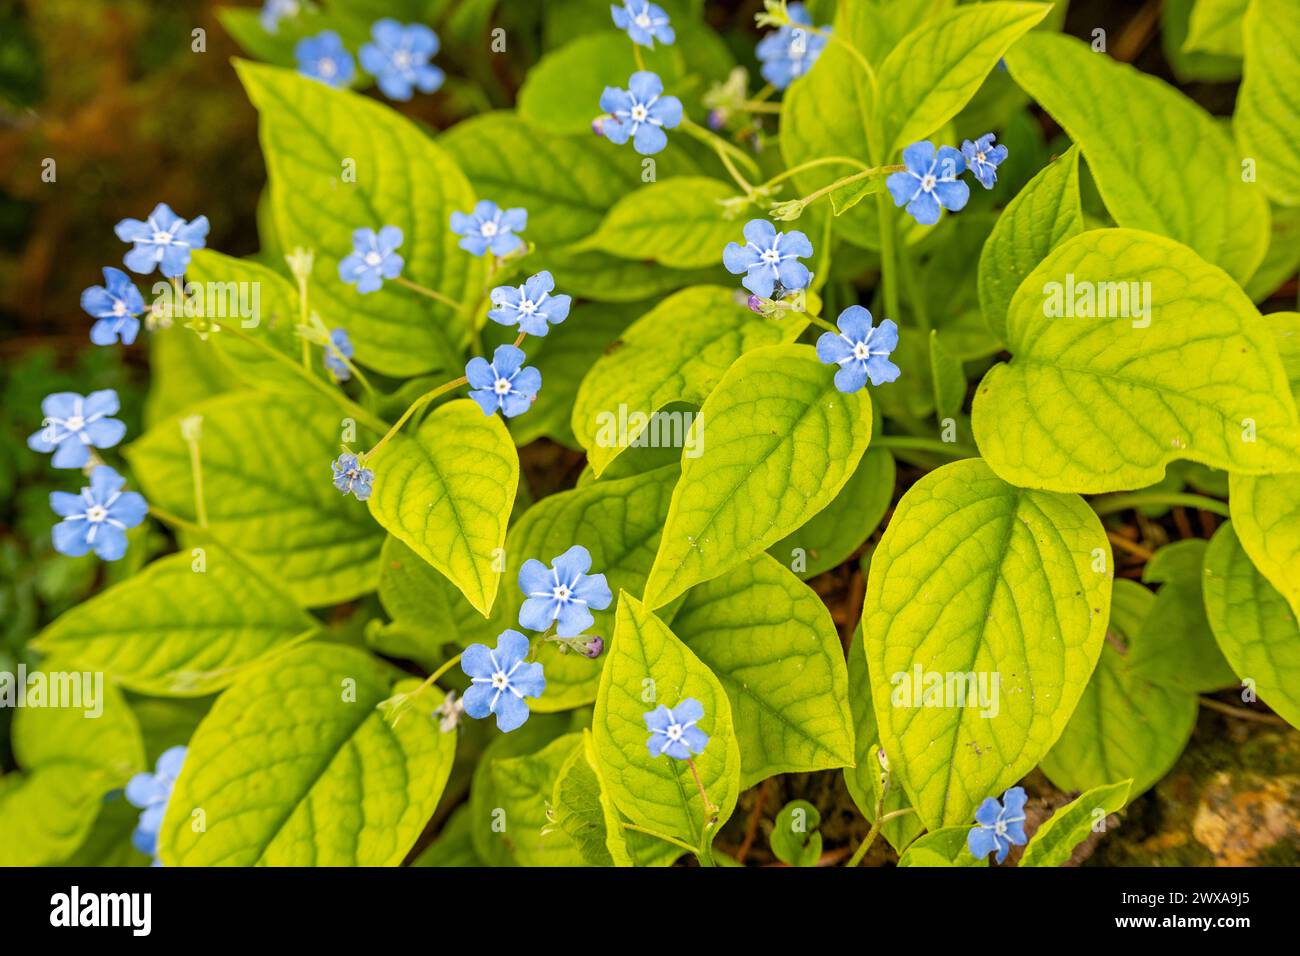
930,183
641,112
398,57
151,792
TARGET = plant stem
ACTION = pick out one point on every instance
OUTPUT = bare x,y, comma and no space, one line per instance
429,681
181,524
196,468
1242,712
659,836
854,51
889,287
724,149
636,55
813,164
431,293
880,816
911,443
1110,504
914,296
415,406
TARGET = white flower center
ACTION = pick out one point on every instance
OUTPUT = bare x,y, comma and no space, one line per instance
527,306
771,256
119,307
502,386
500,681
162,238
96,514
327,67
401,59
643,20
75,424
373,258
928,181
979,157
639,113
488,230
1000,828
674,732
861,352
561,593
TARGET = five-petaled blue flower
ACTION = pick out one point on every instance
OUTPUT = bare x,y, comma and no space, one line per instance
983,159
644,22
490,227
531,305
97,519
114,305
564,593
165,240
930,182
998,825
505,383
500,680
351,477
334,356
399,58
767,258
859,350
791,51
73,425
273,11
150,792
372,259
325,58
674,732
640,113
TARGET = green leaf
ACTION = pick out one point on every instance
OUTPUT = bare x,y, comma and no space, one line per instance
1255,627
262,503
1055,840
523,786
676,222
567,184
1043,215
455,844
864,778
1124,726
70,756
337,162
185,626
1266,518
1266,122
1282,258
676,352
1188,66
1161,162
183,372
564,357
583,811
949,379
1175,645
1103,404
771,643
794,838
228,284
944,847
1215,26
1286,333
647,666
619,522
605,278
562,92
446,493
747,490
295,766
935,70
976,582
829,538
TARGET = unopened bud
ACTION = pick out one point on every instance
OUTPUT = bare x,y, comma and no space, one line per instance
595,647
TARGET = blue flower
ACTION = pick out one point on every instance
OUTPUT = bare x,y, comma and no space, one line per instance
930,182
339,368
351,477
530,306
372,259
983,159
73,425
273,11
769,258
505,383
999,825
325,58
860,351
150,793
562,593
791,51
399,58
164,240
97,519
500,680
489,227
673,732
640,113
115,305
644,22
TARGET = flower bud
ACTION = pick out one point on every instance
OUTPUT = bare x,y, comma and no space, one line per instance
595,647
